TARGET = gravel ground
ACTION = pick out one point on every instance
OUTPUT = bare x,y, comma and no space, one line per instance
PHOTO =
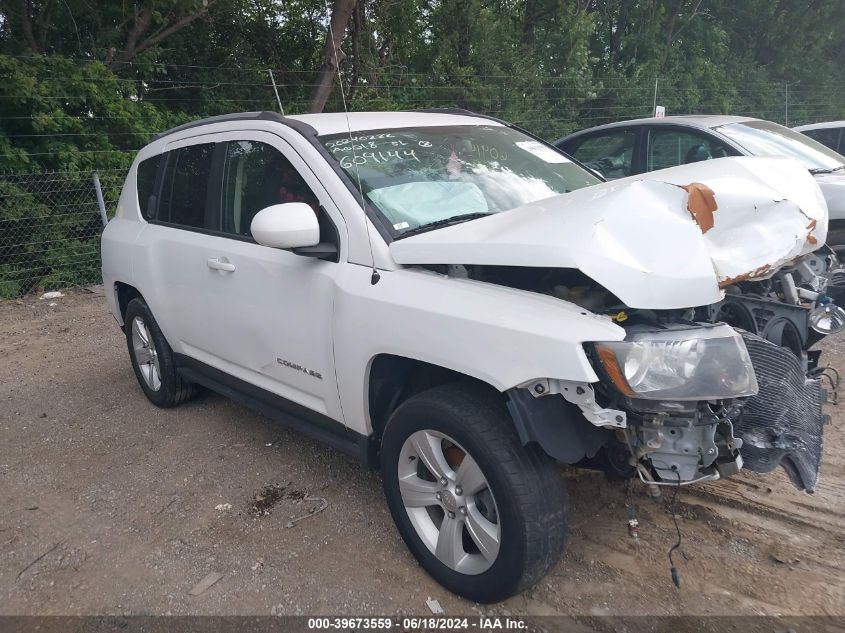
112,506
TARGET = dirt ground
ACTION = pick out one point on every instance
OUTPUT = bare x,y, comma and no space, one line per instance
110,505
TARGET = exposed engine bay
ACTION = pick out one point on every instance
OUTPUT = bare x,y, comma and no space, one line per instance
675,440
717,277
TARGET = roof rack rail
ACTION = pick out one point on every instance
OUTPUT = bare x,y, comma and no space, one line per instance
237,116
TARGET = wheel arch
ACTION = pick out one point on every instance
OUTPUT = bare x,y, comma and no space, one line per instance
555,425
123,294
392,379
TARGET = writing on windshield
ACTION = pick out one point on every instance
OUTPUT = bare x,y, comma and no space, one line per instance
421,176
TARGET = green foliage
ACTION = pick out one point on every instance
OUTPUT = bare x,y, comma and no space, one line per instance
83,85
60,114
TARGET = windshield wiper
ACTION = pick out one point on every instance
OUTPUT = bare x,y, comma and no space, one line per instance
822,170
455,219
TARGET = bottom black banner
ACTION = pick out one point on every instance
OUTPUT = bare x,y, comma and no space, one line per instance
295,624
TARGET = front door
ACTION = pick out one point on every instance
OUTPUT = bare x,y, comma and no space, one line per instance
609,152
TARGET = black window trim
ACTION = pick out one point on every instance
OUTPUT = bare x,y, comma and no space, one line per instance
164,168
211,195
152,210
214,194
249,238
159,183
582,138
309,133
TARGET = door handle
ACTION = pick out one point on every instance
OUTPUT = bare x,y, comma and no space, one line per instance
220,264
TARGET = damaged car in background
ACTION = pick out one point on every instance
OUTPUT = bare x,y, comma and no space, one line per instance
461,305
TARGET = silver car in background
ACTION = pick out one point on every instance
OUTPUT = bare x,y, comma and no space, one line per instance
830,134
633,147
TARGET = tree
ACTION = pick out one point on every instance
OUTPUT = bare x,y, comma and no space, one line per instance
116,32
139,36
85,84
333,54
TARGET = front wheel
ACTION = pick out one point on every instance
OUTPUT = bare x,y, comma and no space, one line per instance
484,515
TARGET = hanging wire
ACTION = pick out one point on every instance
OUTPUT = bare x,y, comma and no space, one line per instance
673,506
375,275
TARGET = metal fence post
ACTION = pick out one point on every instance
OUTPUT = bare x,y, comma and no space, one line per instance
276,90
100,201
786,103
654,107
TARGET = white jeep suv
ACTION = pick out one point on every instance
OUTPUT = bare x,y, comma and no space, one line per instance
463,306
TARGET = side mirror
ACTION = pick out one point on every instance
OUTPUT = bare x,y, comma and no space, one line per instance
288,225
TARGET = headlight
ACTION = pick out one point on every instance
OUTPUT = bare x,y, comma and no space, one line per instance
702,363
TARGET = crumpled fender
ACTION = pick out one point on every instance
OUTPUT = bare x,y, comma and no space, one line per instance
668,239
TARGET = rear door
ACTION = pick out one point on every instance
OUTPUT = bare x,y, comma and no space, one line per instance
179,215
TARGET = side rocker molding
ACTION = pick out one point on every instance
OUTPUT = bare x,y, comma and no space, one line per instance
277,408
557,426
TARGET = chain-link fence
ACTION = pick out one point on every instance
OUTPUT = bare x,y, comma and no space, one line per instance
50,221
50,225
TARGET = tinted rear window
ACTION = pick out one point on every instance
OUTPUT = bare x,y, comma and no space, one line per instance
828,136
185,187
147,171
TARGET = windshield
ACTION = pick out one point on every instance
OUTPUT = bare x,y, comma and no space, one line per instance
426,177
764,138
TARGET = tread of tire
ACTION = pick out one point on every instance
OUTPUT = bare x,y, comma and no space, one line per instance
528,468
183,390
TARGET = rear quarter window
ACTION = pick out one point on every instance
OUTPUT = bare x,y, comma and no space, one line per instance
827,136
145,185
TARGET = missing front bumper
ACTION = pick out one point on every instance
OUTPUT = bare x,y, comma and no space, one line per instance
783,423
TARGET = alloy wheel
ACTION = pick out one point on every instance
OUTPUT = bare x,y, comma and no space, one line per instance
449,502
146,356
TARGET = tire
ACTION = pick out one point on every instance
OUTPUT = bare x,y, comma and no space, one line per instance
523,504
152,358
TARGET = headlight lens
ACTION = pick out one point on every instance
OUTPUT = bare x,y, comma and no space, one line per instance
702,363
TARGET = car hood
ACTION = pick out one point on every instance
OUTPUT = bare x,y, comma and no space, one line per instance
668,239
833,188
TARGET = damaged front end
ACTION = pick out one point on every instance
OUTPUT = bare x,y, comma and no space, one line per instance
678,385
779,315
780,319
717,273
674,439
757,407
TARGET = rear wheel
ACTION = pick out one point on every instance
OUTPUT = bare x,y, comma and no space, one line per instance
152,358
484,515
